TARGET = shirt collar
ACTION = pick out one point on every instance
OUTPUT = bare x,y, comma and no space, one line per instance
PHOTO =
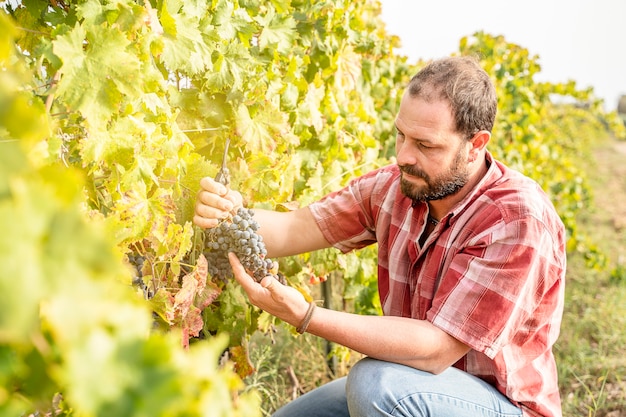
494,172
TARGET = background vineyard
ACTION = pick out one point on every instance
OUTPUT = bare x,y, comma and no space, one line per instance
111,112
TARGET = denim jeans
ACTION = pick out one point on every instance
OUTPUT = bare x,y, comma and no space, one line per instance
376,388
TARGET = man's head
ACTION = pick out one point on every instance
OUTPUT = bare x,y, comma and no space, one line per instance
467,88
444,123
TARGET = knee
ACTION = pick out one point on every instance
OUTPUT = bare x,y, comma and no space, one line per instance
377,388
363,374
370,388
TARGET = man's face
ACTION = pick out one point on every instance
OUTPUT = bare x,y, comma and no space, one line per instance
437,186
431,155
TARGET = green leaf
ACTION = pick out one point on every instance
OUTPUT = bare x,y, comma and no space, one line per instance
278,32
7,37
136,215
309,111
184,45
231,64
257,133
98,72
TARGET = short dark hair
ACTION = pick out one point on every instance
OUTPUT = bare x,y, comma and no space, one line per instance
465,85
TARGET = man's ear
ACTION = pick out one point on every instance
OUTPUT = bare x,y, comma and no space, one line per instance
479,141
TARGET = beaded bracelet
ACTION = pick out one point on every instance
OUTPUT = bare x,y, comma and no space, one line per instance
307,318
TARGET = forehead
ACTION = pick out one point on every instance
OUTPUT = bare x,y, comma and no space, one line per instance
425,119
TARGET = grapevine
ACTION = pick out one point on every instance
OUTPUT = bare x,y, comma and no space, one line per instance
89,114
238,234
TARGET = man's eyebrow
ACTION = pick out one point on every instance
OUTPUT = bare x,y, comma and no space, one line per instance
421,140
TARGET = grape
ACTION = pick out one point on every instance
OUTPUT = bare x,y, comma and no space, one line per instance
137,261
238,234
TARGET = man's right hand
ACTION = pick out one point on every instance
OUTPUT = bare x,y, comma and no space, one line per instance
214,202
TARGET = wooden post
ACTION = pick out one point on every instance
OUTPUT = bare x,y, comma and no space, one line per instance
327,290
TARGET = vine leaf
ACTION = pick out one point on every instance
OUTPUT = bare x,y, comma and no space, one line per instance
137,215
96,70
239,355
208,291
195,294
348,72
310,109
230,67
231,23
279,31
184,48
256,133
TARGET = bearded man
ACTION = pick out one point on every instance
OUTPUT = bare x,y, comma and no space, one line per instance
471,265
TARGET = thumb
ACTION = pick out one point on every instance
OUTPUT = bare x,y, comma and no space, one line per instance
268,283
240,273
235,263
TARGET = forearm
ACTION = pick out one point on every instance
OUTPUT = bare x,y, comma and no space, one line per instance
289,233
284,233
411,342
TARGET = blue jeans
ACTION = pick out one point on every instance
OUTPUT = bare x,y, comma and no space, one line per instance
376,388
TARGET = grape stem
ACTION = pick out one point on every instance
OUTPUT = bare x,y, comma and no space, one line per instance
223,176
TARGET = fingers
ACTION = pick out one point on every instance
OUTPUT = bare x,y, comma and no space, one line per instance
284,302
235,263
214,202
267,282
242,277
212,186
204,223
251,287
214,195
210,208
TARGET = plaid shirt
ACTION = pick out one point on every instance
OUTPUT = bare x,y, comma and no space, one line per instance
491,274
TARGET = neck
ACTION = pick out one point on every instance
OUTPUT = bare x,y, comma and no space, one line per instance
439,208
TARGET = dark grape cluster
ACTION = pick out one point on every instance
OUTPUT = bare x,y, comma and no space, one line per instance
238,234
137,261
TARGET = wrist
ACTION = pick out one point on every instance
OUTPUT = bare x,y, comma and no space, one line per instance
304,323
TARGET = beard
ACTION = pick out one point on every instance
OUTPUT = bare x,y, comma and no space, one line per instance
435,188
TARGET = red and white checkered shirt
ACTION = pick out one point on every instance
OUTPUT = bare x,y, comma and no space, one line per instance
491,274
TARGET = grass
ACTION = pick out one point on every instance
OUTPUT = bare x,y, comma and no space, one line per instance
591,351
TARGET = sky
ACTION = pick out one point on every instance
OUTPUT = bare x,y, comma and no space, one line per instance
580,40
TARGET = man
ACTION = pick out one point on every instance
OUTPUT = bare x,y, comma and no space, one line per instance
471,267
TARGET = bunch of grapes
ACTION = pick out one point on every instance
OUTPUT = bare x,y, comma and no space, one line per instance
137,261
238,234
